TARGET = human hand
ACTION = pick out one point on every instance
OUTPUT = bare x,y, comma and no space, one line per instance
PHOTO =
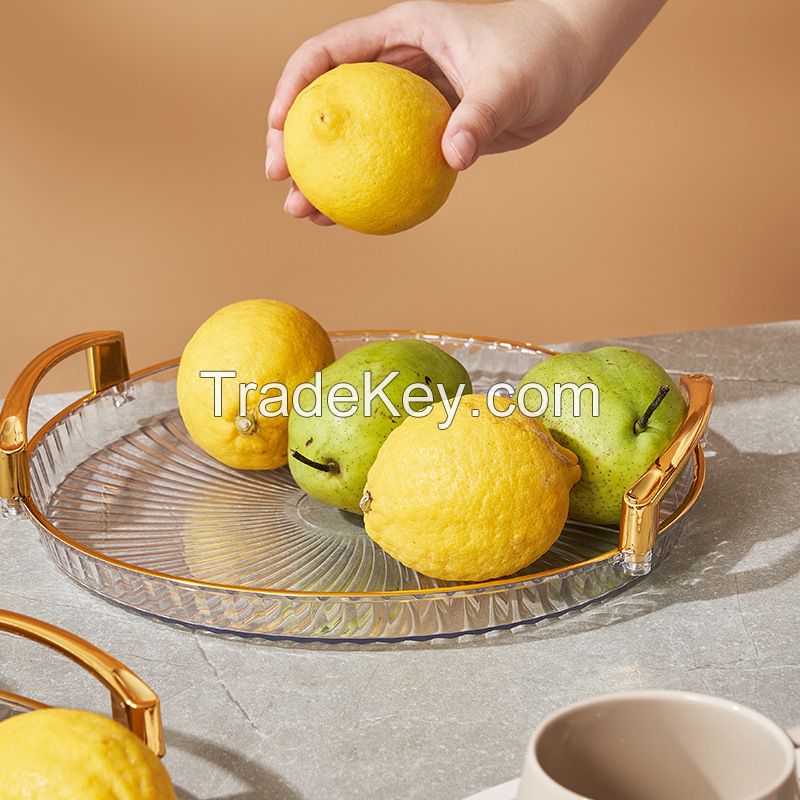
513,71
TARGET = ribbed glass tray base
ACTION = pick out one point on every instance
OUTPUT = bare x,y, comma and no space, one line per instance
132,509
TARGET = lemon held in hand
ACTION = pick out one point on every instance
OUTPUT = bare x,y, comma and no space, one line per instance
62,754
478,500
363,144
263,341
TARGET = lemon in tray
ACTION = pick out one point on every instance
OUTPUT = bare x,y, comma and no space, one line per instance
270,345
63,754
479,499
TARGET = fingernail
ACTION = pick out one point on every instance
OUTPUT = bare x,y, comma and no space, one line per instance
463,144
270,159
288,198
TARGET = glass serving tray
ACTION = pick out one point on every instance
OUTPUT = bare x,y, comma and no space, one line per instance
133,510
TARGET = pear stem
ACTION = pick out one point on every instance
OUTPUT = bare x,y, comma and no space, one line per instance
641,423
331,466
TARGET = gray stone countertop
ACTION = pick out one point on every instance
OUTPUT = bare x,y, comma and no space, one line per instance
251,720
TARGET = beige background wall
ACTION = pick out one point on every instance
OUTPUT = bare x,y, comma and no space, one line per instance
132,191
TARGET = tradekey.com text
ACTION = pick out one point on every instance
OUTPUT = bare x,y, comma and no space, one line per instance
344,399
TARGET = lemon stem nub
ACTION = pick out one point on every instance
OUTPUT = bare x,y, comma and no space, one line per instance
365,503
245,425
331,466
641,423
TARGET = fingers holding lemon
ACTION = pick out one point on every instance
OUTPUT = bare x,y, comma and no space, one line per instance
363,144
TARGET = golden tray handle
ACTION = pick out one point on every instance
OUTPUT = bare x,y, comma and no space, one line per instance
641,506
108,366
133,703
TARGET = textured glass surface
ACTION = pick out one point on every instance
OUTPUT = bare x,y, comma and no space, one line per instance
120,476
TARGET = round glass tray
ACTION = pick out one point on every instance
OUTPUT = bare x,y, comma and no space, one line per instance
133,510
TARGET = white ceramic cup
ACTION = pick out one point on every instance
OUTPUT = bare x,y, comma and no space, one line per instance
659,746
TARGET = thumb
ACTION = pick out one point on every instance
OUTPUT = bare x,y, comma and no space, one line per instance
474,124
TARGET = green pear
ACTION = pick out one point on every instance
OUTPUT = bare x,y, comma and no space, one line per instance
640,411
330,455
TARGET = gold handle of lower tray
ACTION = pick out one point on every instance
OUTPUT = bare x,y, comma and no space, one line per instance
641,506
108,366
133,703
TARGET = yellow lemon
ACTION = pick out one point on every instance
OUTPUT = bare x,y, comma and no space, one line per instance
480,499
363,144
62,754
263,342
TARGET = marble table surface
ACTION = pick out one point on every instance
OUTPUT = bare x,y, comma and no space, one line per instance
251,720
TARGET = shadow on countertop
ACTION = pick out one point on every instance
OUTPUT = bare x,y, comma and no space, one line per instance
749,501
261,782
